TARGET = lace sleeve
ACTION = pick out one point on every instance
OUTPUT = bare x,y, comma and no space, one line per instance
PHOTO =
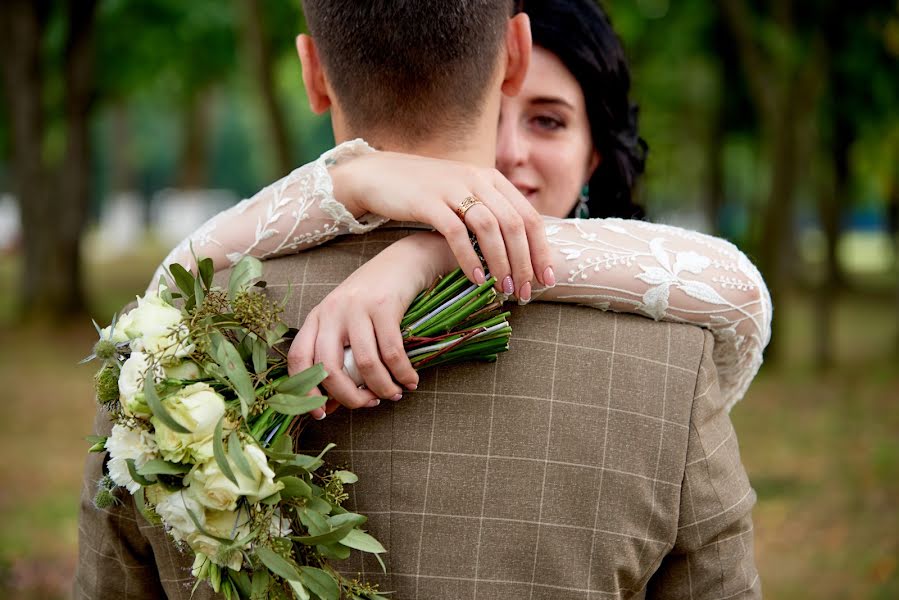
669,274
287,217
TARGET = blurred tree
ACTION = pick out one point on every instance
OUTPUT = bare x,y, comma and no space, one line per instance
782,57
52,191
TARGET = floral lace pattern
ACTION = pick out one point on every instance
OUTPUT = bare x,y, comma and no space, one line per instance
659,271
669,274
290,215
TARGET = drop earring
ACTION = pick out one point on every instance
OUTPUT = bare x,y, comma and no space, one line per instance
582,211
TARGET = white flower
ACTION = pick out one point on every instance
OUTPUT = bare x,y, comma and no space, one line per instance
186,369
212,489
221,524
125,443
173,508
198,408
155,327
131,385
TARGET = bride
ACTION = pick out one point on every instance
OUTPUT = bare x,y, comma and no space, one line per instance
568,146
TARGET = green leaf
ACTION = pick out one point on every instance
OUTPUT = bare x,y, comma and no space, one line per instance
294,487
260,355
226,355
335,551
206,270
199,294
136,476
261,581
320,583
283,444
158,409
335,535
346,476
302,383
161,467
342,519
271,500
274,335
362,541
218,451
301,592
235,452
183,279
241,581
289,404
244,273
314,522
277,564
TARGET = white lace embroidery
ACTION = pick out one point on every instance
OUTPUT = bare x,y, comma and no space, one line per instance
290,215
663,272
669,274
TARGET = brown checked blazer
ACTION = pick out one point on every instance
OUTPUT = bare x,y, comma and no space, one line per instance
594,460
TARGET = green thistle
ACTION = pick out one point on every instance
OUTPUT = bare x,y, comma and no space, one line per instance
105,349
107,385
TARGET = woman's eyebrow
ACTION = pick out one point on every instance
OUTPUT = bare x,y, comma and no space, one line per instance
551,100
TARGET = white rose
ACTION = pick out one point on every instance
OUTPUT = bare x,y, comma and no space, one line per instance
156,327
131,385
173,508
198,408
222,524
123,444
186,369
212,489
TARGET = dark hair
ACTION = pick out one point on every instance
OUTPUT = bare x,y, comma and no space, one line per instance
411,67
580,34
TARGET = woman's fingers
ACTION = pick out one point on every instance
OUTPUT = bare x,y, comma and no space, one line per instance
368,360
481,220
445,220
390,345
541,257
301,354
515,240
329,346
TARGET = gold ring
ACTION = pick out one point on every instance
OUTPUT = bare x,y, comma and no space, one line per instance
467,204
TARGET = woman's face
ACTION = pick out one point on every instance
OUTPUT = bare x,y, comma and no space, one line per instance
544,146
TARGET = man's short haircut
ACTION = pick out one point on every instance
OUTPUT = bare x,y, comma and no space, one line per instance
409,67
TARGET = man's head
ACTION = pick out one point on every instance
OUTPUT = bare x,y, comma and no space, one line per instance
407,71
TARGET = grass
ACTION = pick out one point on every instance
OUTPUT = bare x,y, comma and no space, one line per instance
822,450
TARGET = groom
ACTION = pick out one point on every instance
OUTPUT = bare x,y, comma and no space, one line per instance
595,459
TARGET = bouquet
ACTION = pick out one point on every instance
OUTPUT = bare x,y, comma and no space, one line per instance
205,418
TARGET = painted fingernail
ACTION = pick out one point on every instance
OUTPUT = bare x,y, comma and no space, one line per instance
412,386
549,277
321,416
373,403
397,397
524,294
479,276
508,286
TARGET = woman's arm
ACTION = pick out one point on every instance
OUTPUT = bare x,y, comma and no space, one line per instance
335,195
662,272
669,274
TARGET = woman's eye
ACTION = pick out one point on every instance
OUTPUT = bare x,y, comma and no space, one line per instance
547,123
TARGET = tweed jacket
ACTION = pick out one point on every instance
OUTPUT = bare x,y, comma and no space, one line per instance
593,460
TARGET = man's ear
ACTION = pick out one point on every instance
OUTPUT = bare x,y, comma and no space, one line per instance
518,53
313,75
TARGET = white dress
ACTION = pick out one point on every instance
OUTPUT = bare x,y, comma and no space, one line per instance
663,272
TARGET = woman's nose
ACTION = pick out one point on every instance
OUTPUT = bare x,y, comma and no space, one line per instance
511,147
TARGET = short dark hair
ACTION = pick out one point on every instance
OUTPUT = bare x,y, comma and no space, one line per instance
581,35
410,67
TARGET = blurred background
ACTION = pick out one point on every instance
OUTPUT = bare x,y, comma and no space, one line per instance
126,123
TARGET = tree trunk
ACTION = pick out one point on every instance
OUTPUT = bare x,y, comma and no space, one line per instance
194,153
257,44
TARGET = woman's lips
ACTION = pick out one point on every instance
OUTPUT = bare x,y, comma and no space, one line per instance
527,191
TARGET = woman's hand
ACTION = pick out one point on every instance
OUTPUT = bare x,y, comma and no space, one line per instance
364,313
403,187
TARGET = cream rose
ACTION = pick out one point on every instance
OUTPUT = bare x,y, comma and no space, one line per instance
222,524
198,408
212,489
155,327
173,508
131,385
186,369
